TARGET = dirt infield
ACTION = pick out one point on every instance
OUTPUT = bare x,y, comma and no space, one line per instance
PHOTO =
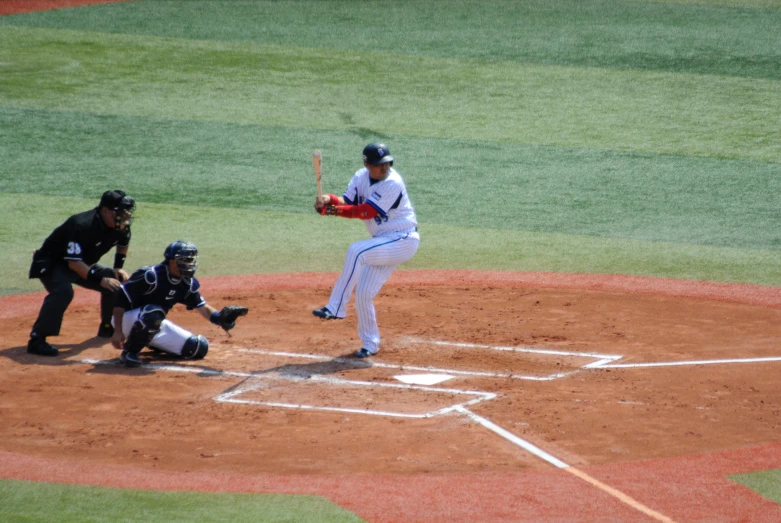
12,7
517,347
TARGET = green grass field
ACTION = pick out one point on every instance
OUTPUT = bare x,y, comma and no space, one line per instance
27,501
611,137
581,136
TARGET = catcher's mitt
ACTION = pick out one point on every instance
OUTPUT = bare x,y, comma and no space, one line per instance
227,317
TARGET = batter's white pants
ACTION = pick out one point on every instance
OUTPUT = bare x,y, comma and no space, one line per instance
170,339
367,266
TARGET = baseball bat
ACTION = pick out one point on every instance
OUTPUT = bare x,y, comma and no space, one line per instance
317,160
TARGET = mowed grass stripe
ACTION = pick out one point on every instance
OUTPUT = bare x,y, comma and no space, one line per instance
452,182
33,501
655,112
766,483
245,241
701,38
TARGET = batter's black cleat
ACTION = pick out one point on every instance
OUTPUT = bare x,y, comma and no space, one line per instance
324,313
106,330
130,359
41,347
363,353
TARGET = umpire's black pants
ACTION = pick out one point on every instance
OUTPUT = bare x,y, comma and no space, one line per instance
59,284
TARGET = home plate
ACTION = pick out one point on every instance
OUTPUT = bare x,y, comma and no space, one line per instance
423,379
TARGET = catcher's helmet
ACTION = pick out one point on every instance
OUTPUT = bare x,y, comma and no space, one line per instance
186,256
377,153
122,205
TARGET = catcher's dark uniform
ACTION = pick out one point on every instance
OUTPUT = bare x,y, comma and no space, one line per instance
155,286
83,237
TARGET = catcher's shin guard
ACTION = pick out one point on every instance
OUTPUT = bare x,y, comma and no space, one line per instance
195,347
144,329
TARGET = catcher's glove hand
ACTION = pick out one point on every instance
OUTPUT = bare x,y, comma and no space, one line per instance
226,318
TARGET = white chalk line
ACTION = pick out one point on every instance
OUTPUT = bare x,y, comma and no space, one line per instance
537,451
410,367
682,363
230,397
605,361
529,350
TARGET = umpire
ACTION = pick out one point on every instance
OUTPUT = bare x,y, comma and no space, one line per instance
70,255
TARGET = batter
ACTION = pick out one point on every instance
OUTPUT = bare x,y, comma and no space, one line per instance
377,195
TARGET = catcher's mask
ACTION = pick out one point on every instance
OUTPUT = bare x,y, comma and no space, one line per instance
186,256
121,205
377,153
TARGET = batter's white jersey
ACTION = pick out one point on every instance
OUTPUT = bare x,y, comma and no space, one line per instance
388,197
369,263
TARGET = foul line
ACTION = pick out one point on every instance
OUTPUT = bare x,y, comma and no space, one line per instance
677,363
529,447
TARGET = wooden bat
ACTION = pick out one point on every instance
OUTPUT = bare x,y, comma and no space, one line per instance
317,160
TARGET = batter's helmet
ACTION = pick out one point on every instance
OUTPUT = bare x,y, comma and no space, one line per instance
377,153
186,256
122,205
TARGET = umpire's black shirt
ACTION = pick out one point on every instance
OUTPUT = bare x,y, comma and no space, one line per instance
83,237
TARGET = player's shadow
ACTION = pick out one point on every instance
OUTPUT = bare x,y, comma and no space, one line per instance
67,350
152,359
307,370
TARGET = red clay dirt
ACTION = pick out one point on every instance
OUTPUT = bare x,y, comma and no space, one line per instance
12,7
99,423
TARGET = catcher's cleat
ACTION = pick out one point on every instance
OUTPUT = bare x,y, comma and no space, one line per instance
363,353
130,359
106,330
325,314
41,347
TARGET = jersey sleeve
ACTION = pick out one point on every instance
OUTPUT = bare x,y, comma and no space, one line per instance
194,300
384,196
71,241
351,194
143,281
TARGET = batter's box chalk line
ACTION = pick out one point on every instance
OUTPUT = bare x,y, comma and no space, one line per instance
233,396
601,360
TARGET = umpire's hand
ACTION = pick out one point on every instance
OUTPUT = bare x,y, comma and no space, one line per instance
110,284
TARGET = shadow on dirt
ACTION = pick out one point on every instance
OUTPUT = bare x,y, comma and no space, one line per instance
307,370
67,350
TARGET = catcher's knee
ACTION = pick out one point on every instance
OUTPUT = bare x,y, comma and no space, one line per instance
195,347
145,328
152,317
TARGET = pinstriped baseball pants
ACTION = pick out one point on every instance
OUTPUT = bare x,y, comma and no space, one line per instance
367,266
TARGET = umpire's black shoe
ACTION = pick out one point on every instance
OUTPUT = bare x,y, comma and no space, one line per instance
106,330
364,353
324,313
130,359
41,347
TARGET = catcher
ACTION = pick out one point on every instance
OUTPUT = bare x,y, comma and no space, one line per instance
145,299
